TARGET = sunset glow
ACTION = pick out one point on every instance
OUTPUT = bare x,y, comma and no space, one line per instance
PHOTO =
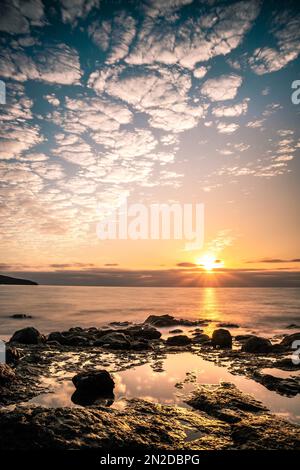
209,262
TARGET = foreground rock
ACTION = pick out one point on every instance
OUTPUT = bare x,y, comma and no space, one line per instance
251,425
100,382
222,338
255,344
230,421
28,335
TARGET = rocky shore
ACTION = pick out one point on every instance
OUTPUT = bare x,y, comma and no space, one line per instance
216,416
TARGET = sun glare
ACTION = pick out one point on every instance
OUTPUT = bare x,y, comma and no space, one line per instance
209,262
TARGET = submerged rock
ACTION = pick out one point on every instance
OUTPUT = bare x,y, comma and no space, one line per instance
228,325
29,335
99,382
179,340
222,338
256,344
177,331
20,316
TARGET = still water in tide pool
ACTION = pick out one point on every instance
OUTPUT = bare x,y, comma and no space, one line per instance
180,376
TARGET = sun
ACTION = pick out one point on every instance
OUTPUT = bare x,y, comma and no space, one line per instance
209,262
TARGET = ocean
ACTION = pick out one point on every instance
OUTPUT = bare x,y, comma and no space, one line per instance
268,310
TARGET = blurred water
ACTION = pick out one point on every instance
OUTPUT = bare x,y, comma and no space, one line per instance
268,310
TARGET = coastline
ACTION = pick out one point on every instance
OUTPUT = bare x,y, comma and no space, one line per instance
220,415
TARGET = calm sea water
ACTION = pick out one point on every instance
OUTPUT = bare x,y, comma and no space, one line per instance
264,311
268,310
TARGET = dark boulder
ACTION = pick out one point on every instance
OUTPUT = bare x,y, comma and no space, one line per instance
201,338
161,320
97,382
287,342
179,340
144,331
177,331
114,340
28,335
242,338
222,338
255,344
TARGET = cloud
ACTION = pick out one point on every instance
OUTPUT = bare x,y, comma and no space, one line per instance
231,111
275,260
18,16
225,128
114,36
74,10
16,139
286,32
59,64
195,39
161,93
222,88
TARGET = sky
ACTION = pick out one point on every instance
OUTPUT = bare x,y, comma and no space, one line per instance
159,102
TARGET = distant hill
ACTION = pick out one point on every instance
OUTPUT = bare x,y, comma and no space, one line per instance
13,280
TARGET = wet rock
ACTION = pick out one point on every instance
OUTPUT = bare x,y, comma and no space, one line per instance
179,340
257,344
222,338
228,325
77,341
57,337
201,338
293,326
176,331
288,341
114,341
218,399
20,316
120,323
168,320
242,338
144,332
99,382
13,355
28,335
140,426
161,320
286,364
7,375
289,387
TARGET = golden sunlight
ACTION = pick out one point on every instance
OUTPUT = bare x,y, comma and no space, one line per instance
209,262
